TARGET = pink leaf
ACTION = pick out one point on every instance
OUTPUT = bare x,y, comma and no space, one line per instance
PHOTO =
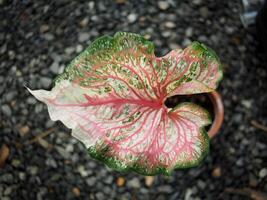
112,97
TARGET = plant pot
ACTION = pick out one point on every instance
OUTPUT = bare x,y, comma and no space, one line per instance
218,113
210,101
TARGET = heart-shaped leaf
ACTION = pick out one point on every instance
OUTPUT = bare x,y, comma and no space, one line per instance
112,97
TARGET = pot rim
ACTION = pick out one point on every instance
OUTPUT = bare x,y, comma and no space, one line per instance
218,109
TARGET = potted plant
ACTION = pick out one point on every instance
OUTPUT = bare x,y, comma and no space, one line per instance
113,97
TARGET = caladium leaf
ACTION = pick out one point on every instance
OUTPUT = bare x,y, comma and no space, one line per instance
112,97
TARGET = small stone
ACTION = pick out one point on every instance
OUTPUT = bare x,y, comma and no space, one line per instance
54,67
8,191
108,180
4,153
149,180
201,184
45,82
51,162
120,181
189,32
84,22
69,50
82,171
169,24
91,181
66,155
22,176
76,191
7,178
188,194
216,173
174,46
6,110
134,183
263,173
229,30
186,42
163,5
166,34
44,28
49,36
197,2
83,37
33,170
132,17
24,130
100,196
204,12
15,163
246,103
165,189
79,48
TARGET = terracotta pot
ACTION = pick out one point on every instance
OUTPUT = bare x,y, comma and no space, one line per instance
218,113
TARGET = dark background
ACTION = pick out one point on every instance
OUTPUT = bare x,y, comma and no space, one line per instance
39,38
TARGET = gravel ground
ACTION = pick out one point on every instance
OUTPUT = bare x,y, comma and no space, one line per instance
39,38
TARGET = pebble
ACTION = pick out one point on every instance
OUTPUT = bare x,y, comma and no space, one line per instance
204,12
134,183
163,5
33,170
216,173
263,172
120,181
91,181
83,37
44,28
6,178
84,22
45,82
165,189
24,130
169,24
132,17
54,67
6,110
189,32
82,171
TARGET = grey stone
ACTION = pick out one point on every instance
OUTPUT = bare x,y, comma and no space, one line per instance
100,196
54,67
51,162
63,152
8,191
201,184
82,171
169,24
189,32
84,22
6,178
165,189
132,17
83,37
45,82
263,172
22,176
204,12
33,170
6,110
134,183
91,181
163,5
108,180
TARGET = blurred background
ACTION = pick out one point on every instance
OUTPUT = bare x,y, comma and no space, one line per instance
40,160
